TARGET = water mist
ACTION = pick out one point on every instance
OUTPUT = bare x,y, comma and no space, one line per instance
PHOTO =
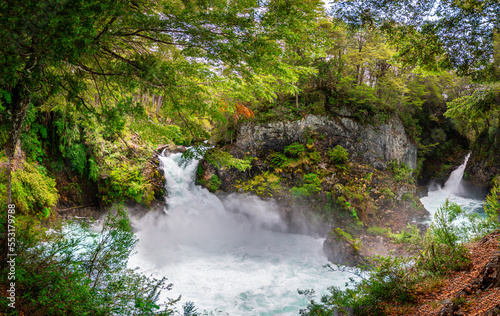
230,254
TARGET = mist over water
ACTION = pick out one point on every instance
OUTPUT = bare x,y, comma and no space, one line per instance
455,191
232,254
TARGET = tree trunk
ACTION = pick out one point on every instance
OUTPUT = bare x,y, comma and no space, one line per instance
19,109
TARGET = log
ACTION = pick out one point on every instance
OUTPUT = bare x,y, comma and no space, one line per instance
75,207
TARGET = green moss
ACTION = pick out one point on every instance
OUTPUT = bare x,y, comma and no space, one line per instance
355,243
265,184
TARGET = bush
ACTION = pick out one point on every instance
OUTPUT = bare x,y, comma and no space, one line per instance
33,189
312,185
223,159
214,183
315,157
338,155
279,159
127,181
386,283
401,172
492,205
295,150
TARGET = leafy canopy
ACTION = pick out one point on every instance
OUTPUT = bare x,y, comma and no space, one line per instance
446,34
85,51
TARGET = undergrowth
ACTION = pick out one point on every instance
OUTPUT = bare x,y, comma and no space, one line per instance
394,280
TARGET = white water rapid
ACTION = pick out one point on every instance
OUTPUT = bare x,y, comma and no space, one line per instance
230,256
454,191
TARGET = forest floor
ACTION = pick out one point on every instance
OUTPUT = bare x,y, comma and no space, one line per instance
475,291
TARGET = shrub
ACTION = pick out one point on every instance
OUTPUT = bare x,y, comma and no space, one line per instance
315,157
338,155
214,183
354,242
312,185
223,159
401,172
33,189
394,279
127,181
492,205
279,159
295,150
387,282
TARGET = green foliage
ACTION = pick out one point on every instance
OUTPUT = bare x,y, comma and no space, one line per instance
338,155
93,170
378,231
393,280
33,189
387,282
223,159
127,181
347,206
492,205
315,157
401,172
279,159
157,133
214,183
77,155
312,185
436,44
265,184
77,271
34,137
442,228
475,111
295,150
355,243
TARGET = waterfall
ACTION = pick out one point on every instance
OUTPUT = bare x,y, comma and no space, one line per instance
454,191
454,182
181,190
230,255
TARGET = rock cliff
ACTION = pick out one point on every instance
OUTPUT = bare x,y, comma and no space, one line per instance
292,164
373,145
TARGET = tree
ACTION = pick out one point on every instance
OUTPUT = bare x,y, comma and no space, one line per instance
64,49
435,34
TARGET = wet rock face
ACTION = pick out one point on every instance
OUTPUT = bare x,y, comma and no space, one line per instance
481,170
338,251
374,145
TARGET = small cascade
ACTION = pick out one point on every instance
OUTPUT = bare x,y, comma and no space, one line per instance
230,256
454,191
454,182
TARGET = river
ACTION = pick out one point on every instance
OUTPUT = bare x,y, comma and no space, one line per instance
233,255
